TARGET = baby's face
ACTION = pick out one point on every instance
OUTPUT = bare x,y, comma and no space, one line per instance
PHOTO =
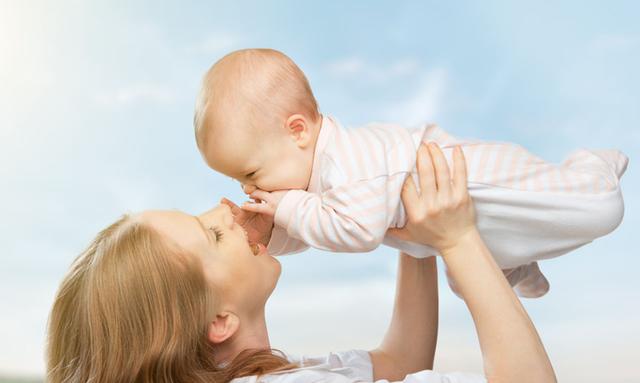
269,163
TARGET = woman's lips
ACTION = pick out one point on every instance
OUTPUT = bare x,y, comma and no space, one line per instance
258,249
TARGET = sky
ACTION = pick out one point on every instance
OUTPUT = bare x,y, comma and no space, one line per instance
96,109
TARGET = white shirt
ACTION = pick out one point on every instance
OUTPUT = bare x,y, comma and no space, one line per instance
350,367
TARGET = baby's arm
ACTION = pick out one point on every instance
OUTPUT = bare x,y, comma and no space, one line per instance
348,218
282,244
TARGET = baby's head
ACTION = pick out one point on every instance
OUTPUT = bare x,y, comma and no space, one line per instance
256,120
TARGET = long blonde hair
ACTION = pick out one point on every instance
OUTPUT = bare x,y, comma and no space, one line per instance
134,308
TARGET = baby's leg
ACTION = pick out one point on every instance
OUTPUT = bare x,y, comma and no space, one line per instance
529,209
527,281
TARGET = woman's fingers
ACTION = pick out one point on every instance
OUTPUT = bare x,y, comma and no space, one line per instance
410,196
409,192
425,169
234,208
459,171
443,177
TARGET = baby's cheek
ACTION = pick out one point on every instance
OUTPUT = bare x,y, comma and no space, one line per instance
270,184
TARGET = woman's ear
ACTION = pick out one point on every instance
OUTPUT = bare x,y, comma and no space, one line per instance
299,130
223,327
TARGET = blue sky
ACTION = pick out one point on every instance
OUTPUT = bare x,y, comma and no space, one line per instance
96,103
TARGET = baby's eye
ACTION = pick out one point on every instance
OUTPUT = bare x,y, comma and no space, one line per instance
217,232
251,174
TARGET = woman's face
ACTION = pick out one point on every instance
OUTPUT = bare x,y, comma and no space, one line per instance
244,280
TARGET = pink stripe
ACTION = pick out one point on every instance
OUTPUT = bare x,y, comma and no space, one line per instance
341,142
532,172
482,165
512,178
355,195
470,156
583,180
330,232
565,182
554,180
498,167
359,152
311,220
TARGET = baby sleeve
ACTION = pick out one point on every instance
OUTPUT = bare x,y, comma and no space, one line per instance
349,218
282,244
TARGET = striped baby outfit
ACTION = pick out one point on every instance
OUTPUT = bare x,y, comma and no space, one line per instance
527,209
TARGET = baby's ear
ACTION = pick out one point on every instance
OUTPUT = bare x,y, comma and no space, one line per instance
299,130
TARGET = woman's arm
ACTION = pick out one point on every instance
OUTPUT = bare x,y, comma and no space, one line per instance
410,342
442,216
511,348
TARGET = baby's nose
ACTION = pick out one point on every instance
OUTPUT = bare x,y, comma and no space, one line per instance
248,189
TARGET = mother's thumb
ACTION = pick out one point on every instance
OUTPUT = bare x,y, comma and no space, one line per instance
402,233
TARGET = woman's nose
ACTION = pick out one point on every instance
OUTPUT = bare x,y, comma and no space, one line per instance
220,214
227,216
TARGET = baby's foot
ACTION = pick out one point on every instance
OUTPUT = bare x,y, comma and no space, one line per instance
533,283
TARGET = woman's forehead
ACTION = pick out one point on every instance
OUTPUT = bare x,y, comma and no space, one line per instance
182,228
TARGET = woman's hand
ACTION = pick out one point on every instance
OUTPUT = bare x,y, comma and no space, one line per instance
442,212
258,226
442,216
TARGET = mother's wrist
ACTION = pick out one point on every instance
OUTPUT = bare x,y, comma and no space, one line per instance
460,244
266,237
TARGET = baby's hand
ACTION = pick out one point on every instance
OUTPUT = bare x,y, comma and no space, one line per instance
265,202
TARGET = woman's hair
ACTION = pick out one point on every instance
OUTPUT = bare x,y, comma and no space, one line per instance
136,308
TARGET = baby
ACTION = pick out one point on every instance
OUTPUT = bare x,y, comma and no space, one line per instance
338,189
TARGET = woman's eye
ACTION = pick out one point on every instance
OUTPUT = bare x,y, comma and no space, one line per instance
217,232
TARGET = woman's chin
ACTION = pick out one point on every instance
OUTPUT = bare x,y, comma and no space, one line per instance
278,271
275,268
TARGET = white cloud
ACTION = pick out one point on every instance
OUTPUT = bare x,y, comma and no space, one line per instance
425,103
357,66
136,93
216,43
422,103
346,67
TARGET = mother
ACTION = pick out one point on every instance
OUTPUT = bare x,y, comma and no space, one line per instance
164,296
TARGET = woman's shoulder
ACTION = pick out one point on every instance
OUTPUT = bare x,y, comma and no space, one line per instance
335,367
353,362
349,367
